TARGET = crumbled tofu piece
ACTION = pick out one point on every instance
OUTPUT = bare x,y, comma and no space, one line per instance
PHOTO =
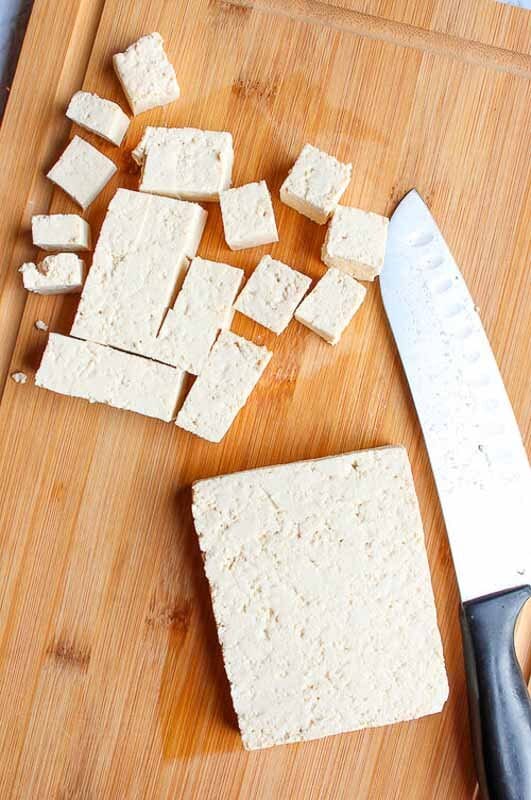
41,325
66,232
100,116
330,306
19,377
82,171
203,307
103,375
147,77
272,294
315,184
62,273
355,242
231,372
248,216
322,596
139,262
186,163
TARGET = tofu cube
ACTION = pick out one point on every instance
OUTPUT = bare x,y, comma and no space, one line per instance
103,375
186,163
203,307
355,242
66,232
99,116
231,372
272,294
147,77
330,306
248,216
315,184
62,273
82,171
322,595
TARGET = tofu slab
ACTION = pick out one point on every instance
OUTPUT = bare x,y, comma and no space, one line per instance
315,184
103,375
186,163
355,242
322,596
203,307
146,75
248,216
331,304
82,171
62,273
231,372
66,232
272,294
139,262
99,116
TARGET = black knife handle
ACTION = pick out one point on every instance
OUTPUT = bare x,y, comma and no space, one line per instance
500,707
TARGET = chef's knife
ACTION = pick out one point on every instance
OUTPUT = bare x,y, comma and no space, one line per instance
483,480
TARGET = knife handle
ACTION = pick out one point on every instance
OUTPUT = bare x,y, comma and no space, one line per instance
500,707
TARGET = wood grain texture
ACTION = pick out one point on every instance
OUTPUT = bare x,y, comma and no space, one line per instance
111,681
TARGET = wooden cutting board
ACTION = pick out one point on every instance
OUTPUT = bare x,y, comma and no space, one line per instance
111,681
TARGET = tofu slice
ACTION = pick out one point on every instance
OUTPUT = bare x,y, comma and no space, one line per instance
146,75
322,596
139,263
103,375
99,116
315,184
66,232
203,307
82,172
272,294
355,242
248,216
231,372
186,163
62,273
330,306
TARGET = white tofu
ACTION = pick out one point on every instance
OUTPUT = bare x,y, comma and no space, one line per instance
315,184
355,242
203,307
272,294
82,171
322,596
186,163
231,372
139,262
248,216
62,273
66,232
330,306
147,77
99,116
103,375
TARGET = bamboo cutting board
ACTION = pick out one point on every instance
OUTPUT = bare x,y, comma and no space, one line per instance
111,680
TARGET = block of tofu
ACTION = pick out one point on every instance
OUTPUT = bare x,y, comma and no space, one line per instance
139,262
62,273
103,375
147,77
66,232
99,116
330,306
186,163
82,171
248,216
203,307
315,184
272,294
231,372
355,242
322,596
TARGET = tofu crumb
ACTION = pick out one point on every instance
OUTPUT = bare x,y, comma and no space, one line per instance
19,377
41,325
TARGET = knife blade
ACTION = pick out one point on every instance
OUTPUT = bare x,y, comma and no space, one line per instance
483,480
